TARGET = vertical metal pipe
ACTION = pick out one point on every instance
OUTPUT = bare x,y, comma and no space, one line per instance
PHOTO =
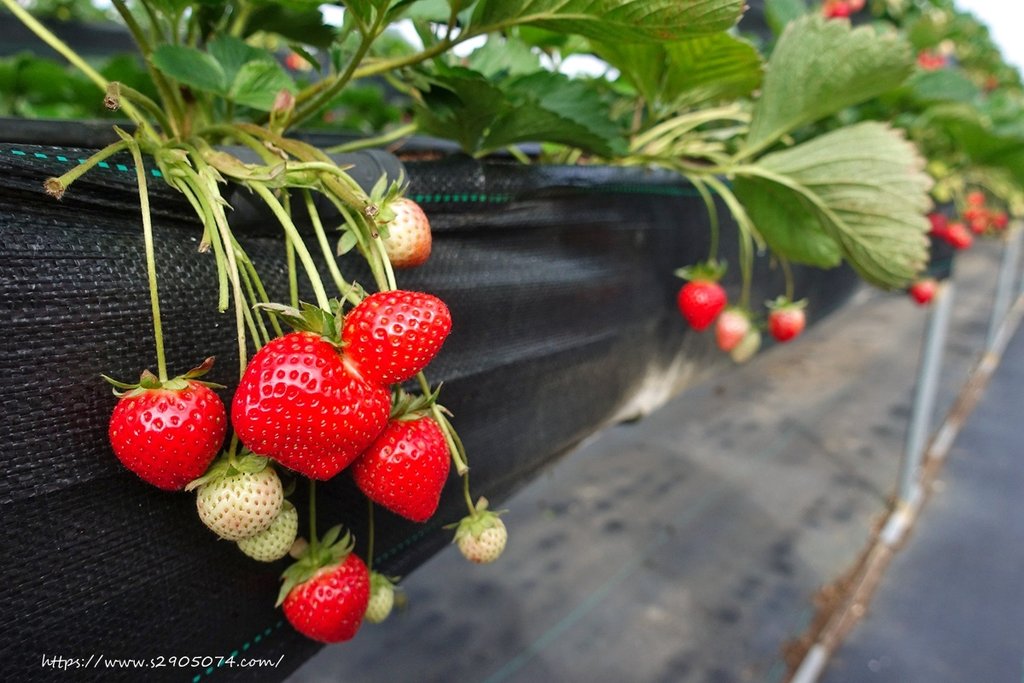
1005,286
928,372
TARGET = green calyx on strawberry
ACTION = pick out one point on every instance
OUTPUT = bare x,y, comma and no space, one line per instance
786,318
238,498
168,432
326,592
481,535
275,541
701,299
382,597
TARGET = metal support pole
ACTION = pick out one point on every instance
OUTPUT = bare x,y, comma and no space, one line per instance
1005,286
929,369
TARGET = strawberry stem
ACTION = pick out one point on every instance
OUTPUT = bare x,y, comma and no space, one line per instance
322,300
57,186
787,273
325,247
147,232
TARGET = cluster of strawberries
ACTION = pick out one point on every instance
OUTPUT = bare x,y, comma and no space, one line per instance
315,401
702,301
976,219
841,9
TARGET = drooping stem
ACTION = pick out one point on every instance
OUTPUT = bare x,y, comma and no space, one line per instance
455,446
378,141
293,272
709,202
787,273
147,231
325,247
57,186
322,300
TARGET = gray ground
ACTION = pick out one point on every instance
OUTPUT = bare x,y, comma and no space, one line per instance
688,546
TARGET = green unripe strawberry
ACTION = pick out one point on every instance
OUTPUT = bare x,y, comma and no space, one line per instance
481,536
239,501
275,541
382,598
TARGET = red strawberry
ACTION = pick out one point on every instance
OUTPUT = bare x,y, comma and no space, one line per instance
1000,220
406,468
702,298
923,291
301,404
390,336
787,319
408,241
976,199
940,224
730,329
958,237
325,593
837,9
169,432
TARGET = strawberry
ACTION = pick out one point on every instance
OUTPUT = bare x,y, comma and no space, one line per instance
958,236
923,291
481,535
382,598
240,499
748,346
940,224
167,432
976,199
786,319
390,336
730,329
406,468
276,540
408,235
1000,220
702,298
837,9
301,403
325,594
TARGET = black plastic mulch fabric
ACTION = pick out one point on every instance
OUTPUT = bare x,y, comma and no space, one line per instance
561,288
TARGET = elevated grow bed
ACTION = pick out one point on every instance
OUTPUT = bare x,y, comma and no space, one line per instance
560,284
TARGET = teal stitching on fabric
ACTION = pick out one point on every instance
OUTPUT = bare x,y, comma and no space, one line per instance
103,164
234,653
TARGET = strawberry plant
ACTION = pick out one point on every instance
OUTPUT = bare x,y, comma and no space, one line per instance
825,147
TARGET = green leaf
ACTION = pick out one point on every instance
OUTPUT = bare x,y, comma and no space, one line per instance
863,185
942,85
232,54
787,222
191,67
820,67
460,105
611,20
301,22
506,57
779,13
687,72
258,83
551,107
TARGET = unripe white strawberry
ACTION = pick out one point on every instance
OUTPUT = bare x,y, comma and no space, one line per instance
382,598
481,536
275,541
240,505
408,242
748,346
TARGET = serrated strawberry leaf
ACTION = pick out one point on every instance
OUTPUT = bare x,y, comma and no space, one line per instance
192,67
257,84
820,67
610,20
688,72
862,186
